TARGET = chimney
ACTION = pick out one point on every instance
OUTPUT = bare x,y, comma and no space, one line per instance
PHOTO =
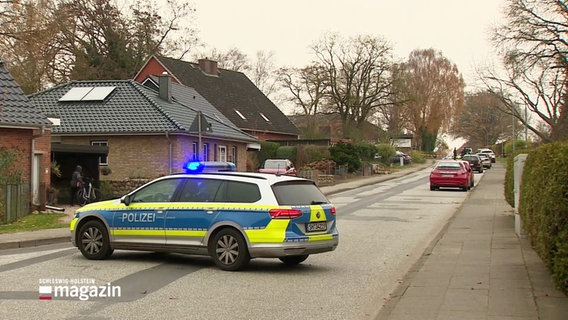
165,86
209,67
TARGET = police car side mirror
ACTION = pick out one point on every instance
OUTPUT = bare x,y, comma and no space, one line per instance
126,200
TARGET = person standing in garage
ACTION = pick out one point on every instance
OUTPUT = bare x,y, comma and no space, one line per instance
76,183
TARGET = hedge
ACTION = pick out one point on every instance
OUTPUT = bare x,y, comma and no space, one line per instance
544,207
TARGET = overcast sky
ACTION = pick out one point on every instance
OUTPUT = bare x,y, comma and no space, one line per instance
460,29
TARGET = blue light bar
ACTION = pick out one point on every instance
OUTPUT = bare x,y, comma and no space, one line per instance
209,166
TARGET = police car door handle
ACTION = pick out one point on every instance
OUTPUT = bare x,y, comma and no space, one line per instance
210,211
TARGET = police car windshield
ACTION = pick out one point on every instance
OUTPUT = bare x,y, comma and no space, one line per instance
298,193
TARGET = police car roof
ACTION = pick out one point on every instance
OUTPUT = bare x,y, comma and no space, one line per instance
271,177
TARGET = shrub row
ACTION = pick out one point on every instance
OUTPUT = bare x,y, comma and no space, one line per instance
544,205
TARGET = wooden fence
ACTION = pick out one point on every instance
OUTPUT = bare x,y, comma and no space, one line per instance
14,202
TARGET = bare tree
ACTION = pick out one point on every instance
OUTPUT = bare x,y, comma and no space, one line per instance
88,39
264,73
307,89
231,59
27,42
434,90
534,46
482,123
358,75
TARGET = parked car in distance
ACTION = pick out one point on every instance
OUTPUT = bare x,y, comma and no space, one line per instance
231,217
489,152
406,159
470,170
451,174
485,160
474,161
278,166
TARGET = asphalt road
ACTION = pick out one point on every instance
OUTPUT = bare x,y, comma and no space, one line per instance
384,229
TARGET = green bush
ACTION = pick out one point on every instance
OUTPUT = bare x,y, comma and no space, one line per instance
345,154
519,145
544,207
106,190
385,151
417,156
366,151
267,150
286,152
510,176
310,153
10,169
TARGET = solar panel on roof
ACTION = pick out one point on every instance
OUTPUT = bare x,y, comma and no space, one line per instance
76,94
98,94
87,94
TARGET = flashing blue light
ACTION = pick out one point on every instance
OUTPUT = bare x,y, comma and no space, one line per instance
194,167
209,166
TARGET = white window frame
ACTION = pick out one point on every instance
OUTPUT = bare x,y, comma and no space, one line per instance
105,157
222,150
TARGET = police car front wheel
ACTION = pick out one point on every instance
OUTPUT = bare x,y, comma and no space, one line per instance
94,241
229,250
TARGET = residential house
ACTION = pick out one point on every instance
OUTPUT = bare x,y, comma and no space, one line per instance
24,128
330,125
230,92
122,129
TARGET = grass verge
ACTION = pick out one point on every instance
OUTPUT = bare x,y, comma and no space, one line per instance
38,221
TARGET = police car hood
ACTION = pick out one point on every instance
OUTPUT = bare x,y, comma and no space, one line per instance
98,205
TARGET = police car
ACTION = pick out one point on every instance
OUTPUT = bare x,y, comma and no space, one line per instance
230,216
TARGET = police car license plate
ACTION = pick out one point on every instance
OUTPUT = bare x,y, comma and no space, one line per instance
316,226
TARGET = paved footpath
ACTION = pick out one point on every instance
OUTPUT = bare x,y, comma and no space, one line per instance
478,268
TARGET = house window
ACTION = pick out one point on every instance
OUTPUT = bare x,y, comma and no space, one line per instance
222,150
264,117
206,152
103,159
195,156
240,114
233,155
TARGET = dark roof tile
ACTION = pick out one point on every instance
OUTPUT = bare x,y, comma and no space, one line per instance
131,108
15,107
230,91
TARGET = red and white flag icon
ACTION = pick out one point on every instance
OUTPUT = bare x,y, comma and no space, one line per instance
45,293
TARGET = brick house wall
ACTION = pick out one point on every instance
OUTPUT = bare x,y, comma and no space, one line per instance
21,140
132,157
24,140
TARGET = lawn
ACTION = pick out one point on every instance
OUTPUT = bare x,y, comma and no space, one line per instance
32,222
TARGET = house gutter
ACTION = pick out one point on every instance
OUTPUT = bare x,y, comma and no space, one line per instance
36,199
170,153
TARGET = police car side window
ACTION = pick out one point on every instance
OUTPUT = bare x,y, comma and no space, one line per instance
200,190
160,191
236,191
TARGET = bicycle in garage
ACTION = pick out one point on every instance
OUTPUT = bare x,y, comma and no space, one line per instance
87,193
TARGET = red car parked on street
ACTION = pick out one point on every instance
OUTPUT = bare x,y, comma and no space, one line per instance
451,174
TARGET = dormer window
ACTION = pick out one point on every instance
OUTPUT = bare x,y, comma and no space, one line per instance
240,114
264,117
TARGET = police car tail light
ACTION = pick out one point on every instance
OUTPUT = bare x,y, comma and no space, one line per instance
332,210
285,213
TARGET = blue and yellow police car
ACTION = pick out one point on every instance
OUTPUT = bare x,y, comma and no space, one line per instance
230,216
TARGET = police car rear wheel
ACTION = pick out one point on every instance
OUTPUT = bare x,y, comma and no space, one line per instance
294,260
229,250
94,241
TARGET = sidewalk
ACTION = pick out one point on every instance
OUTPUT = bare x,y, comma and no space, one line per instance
478,268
